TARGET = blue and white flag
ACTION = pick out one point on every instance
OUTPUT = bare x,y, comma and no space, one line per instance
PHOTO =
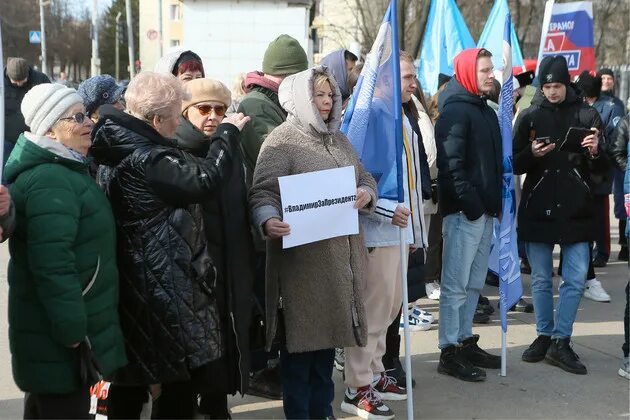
373,119
492,37
504,240
445,36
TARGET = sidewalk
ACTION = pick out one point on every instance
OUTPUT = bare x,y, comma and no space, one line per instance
530,391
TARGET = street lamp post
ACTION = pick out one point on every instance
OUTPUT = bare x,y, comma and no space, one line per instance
118,45
132,63
42,24
95,62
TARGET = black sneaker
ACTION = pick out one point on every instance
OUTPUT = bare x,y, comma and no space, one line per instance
537,350
394,368
484,305
454,364
481,317
561,354
599,262
478,357
492,279
266,384
623,253
367,404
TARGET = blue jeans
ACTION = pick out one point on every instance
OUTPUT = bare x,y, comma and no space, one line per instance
575,260
307,386
464,268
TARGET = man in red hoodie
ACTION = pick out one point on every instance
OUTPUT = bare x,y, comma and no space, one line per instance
469,159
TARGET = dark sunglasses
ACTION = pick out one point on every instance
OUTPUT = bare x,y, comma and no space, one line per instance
207,109
79,117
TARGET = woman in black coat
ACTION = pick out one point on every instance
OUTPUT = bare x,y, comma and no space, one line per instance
227,227
168,292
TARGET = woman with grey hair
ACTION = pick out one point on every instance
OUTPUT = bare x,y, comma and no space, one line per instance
168,306
319,281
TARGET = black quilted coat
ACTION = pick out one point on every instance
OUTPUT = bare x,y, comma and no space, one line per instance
230,243
168,309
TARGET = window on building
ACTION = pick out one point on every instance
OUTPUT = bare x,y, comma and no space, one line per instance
175,42
317,41
175,12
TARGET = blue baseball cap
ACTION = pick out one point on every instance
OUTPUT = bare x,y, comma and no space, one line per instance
99,90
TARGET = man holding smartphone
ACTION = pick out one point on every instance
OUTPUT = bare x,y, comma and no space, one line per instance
556,206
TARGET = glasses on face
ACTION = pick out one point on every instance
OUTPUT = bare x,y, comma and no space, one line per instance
78,118
207,109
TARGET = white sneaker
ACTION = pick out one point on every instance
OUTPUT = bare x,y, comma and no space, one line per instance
415,324
624,370
433,290
417,312
595,291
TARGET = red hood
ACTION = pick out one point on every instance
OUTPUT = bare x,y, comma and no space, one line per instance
256,78
466,69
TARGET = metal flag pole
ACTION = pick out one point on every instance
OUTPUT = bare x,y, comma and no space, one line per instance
405,314
1,107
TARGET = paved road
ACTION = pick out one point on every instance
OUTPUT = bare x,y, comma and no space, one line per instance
537,391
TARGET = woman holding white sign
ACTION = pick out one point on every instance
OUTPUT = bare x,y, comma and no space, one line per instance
319,282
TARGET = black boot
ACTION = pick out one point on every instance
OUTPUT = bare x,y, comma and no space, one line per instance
453,363
478,357
537,350
525,267
391,358
562,355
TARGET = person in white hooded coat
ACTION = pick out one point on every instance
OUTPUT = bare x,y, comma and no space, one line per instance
313,290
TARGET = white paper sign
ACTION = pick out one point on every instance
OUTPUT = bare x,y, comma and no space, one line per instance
319,205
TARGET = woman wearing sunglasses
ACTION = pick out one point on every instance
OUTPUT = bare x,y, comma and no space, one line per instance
63,278
170,312
227,228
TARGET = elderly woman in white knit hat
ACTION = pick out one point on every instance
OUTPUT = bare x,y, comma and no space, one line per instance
225,217
63,279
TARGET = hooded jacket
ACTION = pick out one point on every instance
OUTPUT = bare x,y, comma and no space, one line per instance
230,244
556,205
63,278
168,305
166,64
378,227
336,63
469,153
323,280
14,124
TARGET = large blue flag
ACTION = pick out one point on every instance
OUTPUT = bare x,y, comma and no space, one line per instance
445,36
504,241
373,119
492,37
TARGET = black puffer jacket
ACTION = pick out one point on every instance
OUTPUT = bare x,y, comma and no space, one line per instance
469,154
168,308
556,204
620,143
13,95
227,227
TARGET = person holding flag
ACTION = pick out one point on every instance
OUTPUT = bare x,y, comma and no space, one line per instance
469,156
556,207
368,382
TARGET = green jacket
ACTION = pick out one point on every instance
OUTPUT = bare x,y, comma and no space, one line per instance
63,244
261,104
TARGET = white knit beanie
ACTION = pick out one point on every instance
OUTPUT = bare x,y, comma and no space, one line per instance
44,104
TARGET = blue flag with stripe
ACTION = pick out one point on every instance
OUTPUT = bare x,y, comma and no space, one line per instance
492,37
504,241
373,119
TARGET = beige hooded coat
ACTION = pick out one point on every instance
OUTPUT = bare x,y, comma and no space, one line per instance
316,287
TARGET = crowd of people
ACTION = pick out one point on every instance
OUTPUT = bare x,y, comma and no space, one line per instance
145,231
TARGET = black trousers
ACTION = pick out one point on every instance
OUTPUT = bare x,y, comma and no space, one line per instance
75,405
125,402
601,213
433,264
178,400
214,405
392,343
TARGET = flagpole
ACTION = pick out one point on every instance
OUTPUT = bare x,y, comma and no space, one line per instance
405,314
503,352
1,107
545,31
